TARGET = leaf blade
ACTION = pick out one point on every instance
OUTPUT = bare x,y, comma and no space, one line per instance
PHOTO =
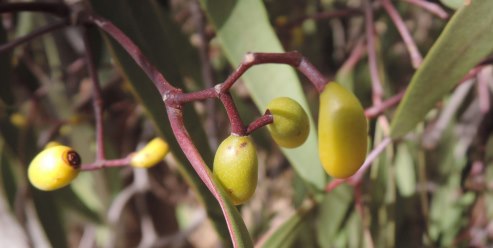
462,45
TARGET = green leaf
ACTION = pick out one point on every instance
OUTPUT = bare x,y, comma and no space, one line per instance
404,170
463,43
243,26
142,22
453,4
333,212
285,234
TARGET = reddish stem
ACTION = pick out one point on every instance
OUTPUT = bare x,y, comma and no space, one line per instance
97,165
35,34
163,86
354,57
356,178
376,110
57,9
431,7
97,99
416,57
372,56
263,120
237,126
175,116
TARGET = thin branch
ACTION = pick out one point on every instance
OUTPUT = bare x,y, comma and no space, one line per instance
416,57
356,178
431,7
57,9
314,75
175,116
483,91
323,16
263,120
195,96
163,86
355,56
237,126
97,99
372,56
376,110
207,70
251,59
35,34
106,164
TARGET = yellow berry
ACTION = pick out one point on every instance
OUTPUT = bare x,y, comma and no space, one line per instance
342,131
54,168
52,144
290,127
153,153
236,167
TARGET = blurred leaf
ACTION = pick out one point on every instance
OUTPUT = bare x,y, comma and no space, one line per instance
7,178
462,44
148,34
285,234
49,215
6,96
405,172
333,212
240,32
453,4
69,199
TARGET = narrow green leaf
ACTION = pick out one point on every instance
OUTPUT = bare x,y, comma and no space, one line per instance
333,211
286,233
405,172
466,40
243,26
454,4
7,178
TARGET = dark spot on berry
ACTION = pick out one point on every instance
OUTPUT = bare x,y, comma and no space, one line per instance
243,144
73,159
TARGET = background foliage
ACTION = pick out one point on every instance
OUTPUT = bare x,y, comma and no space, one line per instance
430,187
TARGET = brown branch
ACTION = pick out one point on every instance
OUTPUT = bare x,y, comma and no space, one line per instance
263,120
33,35
372,56
97,165
431,7
57,9
97,99
175,116
376,110
416,57
163,86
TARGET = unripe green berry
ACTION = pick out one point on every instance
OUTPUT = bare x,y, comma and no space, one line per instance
290,127
236,167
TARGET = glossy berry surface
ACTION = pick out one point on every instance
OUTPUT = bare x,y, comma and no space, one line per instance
54,168
342,131
236,167
290,127
153,153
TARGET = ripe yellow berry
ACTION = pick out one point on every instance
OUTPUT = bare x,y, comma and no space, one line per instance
54,168
342,131
290,127
151,154
52,144
236,167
